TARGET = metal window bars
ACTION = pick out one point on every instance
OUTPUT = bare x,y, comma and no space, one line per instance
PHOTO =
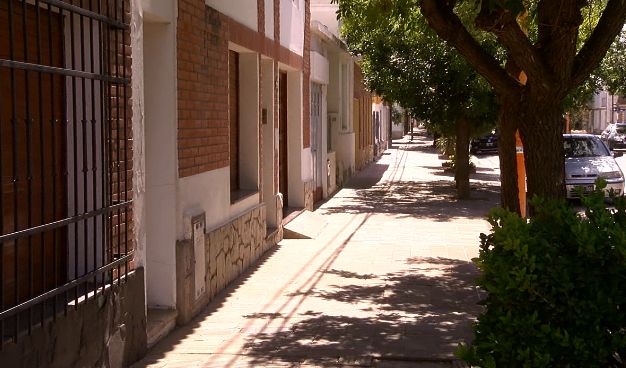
65,157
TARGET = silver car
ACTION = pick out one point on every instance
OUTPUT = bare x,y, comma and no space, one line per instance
587,158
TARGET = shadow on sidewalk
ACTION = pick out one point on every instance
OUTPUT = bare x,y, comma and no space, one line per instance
428,200
421,313
480,175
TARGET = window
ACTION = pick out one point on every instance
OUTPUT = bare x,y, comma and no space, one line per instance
66,158
244,120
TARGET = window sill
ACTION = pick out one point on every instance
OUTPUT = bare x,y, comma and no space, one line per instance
241,194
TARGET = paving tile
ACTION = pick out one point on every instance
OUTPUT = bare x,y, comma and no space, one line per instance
389,275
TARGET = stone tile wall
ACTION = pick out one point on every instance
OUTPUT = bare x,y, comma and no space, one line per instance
309,200
230,250
106,331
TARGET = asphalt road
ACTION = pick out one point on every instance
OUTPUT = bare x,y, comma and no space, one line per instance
491,162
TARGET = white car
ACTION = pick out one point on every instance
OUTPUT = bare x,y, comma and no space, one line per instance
587,158
614,136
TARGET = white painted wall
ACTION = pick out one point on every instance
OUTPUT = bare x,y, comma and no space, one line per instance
159,11
161,162
209,192
136,40
346,152
319,68
243,11
326,13
153,44
299,161
292,25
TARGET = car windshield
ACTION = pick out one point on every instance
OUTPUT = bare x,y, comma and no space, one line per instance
620,129
584,147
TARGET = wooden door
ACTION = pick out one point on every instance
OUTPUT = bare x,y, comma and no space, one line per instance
283,182
32,163
233,103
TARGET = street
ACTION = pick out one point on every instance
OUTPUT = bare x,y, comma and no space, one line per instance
491,161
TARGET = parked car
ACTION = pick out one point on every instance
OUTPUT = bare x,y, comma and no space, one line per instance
587,158
615,135
486,143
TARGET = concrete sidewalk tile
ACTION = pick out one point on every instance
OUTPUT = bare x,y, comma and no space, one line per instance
390,275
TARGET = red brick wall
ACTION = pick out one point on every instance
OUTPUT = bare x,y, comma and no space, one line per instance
121,155
365,108
202,47
260,5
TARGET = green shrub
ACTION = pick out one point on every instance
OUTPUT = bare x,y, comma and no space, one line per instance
446,145
556,288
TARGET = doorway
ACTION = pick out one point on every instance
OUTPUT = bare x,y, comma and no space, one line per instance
316,139
283,172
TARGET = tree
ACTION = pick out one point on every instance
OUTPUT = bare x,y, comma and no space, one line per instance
547,55
403,60
612,71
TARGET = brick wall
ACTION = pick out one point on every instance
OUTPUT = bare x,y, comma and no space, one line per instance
202,47
260,5
120,134
364,134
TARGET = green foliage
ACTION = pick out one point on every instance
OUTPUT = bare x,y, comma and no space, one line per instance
446,145
612,71
555,285
404,61
450,165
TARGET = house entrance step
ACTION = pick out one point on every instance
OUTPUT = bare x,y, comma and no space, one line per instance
307,225
160,323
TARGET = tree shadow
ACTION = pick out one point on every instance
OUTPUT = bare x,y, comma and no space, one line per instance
419,147
433,199
418,314
368,177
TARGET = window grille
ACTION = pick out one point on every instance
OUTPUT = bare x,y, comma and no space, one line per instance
65,157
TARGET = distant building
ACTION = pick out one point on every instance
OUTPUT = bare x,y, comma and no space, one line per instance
604,109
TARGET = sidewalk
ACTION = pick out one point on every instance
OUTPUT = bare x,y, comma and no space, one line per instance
387,283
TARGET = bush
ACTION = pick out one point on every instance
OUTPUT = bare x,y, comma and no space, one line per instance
446,145
556,288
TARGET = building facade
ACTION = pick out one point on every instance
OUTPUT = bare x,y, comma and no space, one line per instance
382,125
232,154
346,119
151,150
604,109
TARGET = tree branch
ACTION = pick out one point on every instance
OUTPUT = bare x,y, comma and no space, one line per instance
448,26
503,24
594,49
558,31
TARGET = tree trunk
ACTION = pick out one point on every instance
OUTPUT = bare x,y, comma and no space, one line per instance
541,130
461,155
542,134
508,121
406,123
